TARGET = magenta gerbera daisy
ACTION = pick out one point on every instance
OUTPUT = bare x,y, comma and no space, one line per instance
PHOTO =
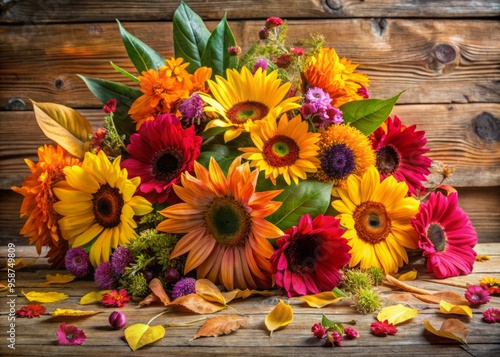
160,152
400,151
310,255
447,236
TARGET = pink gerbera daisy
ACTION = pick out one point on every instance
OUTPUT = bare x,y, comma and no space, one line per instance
310,255
446,236
70,335
400,152
160,152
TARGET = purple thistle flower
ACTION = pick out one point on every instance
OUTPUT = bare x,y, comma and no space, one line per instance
120,259
260,63
192,109
77,262
184,286
104,276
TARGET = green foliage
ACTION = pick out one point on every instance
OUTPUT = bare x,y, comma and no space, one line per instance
377,274
354,280
366,300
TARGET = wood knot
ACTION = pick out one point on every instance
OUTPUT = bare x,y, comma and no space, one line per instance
334,4
445,53
487,126
16,104
379,25
59,83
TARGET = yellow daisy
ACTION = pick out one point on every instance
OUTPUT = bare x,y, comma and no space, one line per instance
376,216
244,98
286,149
224,221
98,205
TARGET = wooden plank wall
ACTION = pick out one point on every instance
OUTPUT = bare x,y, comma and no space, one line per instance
444,54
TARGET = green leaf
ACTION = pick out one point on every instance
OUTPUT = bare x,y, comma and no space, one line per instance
311,196
338,293
223,154
142,56
190,36
124,72
332,325
213,132
368,114
216,55
105,90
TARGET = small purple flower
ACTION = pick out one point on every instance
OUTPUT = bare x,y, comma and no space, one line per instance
491,315
184,286
77,262
120,259
117,320
476,295
192,109
104,276
363,91
318,97
318,109
260,63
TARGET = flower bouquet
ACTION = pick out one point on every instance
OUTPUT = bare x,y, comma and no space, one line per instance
268,168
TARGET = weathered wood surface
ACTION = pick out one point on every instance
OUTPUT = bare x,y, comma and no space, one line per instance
37,336
29,11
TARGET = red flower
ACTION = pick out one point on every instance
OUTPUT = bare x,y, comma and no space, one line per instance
299,51
116,298
31,310
70,335
318,331
110,106
351,333
476,295
491,315
273,22
284,61
383,329
310,255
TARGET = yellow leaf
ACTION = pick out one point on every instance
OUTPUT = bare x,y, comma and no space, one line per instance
280,316
207,290
397,314
220,325
451,328
411,275
3,287
449,296
480,258
93,297
71,312
64,125
320,300
139,335
447,308
45,297
243,294
19,264
58,279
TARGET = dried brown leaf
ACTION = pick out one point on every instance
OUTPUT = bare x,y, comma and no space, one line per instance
221,325
451,297
207,290
195,303
150,299
157,288
451,328
406,287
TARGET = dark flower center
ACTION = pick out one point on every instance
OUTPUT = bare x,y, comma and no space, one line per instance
107,206
69,336
338,162
372,222
388,160
437,236
302,254
249,110
167,164
280,151
228,222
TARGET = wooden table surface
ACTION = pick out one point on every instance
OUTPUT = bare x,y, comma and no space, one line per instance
37,336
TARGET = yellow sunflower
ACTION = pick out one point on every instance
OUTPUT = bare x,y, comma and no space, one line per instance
224,221
376,216
286,149
98,205
245,98
344,150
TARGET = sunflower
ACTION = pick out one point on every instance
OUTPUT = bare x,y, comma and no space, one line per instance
41,226
335,76
160,152
344,150
377,216
447,236
286,149
224,221
98,205
399,151
244,98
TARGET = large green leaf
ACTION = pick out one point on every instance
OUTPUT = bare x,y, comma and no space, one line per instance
368,114
142,56
310,196
223,154
105,90
216,55
190,36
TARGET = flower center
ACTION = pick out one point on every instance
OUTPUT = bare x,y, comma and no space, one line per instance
228,222
249,110
388,160
338,162
372,222
158,89
302,254
437,236
69,336
280,151
107,206
167,164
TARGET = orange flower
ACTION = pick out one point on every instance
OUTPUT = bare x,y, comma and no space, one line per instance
335,76
41,227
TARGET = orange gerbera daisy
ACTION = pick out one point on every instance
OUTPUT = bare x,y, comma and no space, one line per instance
41,227
335,76
224,221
